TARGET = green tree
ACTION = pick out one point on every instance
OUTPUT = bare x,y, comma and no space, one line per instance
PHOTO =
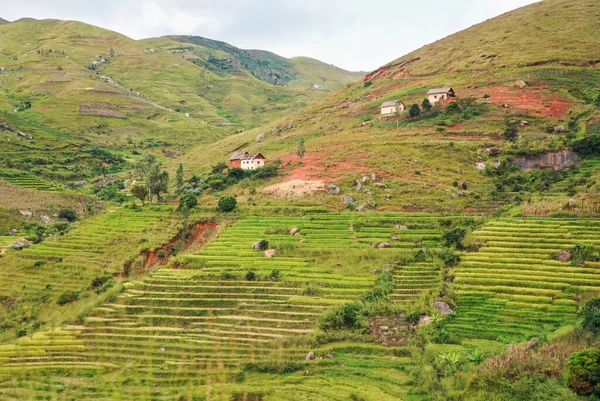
590,314
149,169
426,105
188,201
140,192
161,185
301,148
67,214
511,133
227,204
415,111
179,176
584,372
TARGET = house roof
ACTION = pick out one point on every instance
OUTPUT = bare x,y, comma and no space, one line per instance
391,103
246,156
439,91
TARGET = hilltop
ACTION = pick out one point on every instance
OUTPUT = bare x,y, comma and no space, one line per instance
3,21
423,160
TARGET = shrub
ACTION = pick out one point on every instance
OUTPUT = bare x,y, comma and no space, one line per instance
188,201
584,372
486,96
588,146
225,275
454,237
250,275
161,254
415,111
67,297
275,275
591,316
413,318
263,245
344,317
227,204
448,257
99,281
511,133
67,214
426,105
384,286
366,84
218,168
453,108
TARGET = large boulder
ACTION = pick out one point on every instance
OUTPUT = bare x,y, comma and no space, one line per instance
19,244
270,253
347,199
443,308
564,256
365,179
520,84
294,231
384,245
362,208
310,356
260,138
333,190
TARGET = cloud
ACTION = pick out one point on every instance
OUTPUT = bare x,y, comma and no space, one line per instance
352,34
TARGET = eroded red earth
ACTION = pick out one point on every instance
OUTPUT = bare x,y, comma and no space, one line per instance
527,100
315,166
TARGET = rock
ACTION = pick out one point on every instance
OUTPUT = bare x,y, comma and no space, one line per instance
384,245
79,183
162,350
270,253
329,356
372,203
496,165
107,79
307,320
310,356
24,135
374,177
443,308
480,166
12,231
289,127
533,343
399,227
353,238
395,238
333,190
520,84
362,208
564,256
572,202
384,328
524,123
241,323
379,185
347,199
367,191
45,219
365,179
25,213
492,151
317,87
559,129
18,245
260,138
256,246
294,231
424,321
357,185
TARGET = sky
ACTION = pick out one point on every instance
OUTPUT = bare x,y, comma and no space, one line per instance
351,34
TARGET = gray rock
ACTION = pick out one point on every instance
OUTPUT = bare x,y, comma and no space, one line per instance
19,244
357,185
347,199
384,245
12,231
572,202
559,129
496,165
162,350
480,166
333,190
400,227
424,321
362,208
443,308
310,356
260,138
270,253
256,246
24,135
521,84
564,256
294,231
25,213
374,177
367,191
46,220
384,328
365,179
289,127
395,238
241,323
329,356
533,343
79,183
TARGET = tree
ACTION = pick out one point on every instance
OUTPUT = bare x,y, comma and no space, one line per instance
453,108
301,149
157,182
161,185
415,111
179,176
511,133
188,201
227,204
591,316
426,105
140,192
67,214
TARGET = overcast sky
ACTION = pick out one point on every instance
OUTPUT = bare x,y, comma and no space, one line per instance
352,34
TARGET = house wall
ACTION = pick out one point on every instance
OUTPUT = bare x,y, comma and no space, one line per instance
388,110
235,163
433,99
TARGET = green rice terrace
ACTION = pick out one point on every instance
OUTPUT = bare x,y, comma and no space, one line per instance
223,321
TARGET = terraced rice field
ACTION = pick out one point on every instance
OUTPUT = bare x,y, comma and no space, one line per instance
201,328
514,288
29,181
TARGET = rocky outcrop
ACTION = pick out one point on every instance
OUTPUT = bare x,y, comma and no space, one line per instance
443,308
555,160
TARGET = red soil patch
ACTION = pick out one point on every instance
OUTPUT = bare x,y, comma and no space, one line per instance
527,100
314,167
198,233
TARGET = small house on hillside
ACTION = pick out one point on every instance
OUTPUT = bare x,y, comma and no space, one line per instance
440,95
247,161
392,107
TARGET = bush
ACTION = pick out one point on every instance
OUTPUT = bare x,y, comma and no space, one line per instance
250,275
588,146
366,84
413,318
584,372
590,314
345,317
227,204
448,257
415,111
511,133
188,201
67,214
67,297
454,237
263,245
275,275
453,108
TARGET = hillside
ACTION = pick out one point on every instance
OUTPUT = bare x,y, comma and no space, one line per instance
3,21
73,86
422,160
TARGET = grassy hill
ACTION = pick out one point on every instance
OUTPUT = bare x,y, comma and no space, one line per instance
3,21
422,160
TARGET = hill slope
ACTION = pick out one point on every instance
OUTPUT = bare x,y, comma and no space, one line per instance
424,159
3,21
